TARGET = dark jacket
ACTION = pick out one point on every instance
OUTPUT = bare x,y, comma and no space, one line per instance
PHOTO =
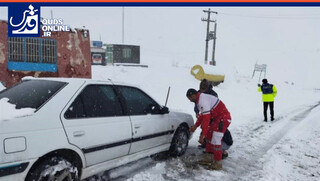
227,138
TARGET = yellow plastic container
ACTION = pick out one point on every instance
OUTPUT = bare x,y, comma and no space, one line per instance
198,72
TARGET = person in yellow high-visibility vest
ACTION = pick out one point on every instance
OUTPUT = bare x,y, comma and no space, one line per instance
269,92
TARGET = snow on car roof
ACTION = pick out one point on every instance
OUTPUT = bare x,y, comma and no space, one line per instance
75,80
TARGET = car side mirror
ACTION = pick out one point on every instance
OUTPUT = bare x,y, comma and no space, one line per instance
164,110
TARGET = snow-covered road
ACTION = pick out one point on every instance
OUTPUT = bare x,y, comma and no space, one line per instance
247,162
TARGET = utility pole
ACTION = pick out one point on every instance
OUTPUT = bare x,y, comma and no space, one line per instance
122,25
207,36
214,44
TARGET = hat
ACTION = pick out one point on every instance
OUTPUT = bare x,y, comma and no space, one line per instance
191,92
264,81
204,84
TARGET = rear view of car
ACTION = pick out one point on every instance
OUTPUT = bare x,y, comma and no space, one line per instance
25,138
97,59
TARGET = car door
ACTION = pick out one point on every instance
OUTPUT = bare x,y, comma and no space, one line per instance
150,127
95,122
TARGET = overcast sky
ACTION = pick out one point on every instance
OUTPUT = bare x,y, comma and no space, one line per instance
286,39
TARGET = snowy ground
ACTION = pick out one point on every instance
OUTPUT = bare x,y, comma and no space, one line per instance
286,149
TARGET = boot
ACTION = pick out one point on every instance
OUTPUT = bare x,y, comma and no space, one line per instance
206,159
225,155
217,165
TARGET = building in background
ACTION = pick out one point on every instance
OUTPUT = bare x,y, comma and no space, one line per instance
98,53
122,54
64,54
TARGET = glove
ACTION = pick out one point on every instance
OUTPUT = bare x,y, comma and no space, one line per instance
259,85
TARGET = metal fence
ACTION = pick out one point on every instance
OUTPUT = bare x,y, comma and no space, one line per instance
32,50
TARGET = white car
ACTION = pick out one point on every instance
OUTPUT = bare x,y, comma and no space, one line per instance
81,127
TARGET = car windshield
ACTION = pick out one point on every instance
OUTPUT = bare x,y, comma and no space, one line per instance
96,56
31,93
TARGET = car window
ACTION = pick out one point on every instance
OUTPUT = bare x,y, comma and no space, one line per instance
95,101
97,56
137,102
31,93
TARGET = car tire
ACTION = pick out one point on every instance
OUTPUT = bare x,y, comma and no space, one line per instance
179,142
55,168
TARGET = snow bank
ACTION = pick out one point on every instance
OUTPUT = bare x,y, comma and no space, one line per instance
8,111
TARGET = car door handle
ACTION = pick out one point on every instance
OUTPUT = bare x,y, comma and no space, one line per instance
137,126
78,133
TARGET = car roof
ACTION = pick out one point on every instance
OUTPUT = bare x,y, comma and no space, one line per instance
77,80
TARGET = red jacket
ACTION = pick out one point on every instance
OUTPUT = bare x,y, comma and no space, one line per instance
210,107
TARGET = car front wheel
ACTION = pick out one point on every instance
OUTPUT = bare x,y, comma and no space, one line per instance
53,169
179,142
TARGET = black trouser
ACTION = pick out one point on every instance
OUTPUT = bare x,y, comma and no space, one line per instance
265,108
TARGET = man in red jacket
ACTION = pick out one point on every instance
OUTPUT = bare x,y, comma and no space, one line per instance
214,119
